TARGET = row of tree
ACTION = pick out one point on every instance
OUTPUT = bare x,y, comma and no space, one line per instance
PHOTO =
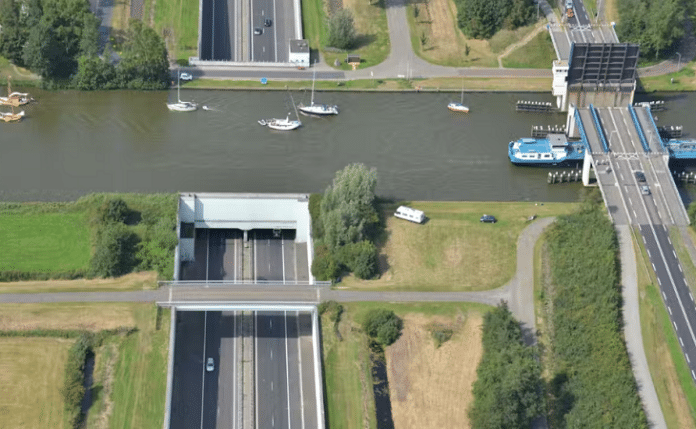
508,389
655,25
59,40
481,19
345,224
592,383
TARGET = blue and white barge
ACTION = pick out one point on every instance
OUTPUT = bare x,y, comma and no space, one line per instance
554,149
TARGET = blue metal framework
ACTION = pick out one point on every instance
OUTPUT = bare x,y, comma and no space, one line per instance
600,129
636,124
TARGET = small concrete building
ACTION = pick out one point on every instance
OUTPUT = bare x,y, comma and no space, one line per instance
299,52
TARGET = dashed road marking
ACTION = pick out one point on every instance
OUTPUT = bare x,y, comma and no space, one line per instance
670,310
691,296
681,342
649,255
675,253
680,268
693,375
675,325
654,269
664,296
659,281
687,358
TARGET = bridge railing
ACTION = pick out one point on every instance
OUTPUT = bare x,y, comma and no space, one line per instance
583,135
219,283
639,128
598,127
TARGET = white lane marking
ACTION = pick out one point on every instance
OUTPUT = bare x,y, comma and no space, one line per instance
675,253
644,242
271,322
693,375
299,355
649,255
271,354
680,268
287,369
675,325
692,297
256,363
634,214
659,281
670,310
687,358
255,259
664,296
271,385
640,227
273,420
654,269
670,241
681,342
282,255
205,328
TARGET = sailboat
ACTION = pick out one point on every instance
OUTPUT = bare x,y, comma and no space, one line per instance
282,124
317,109
459,107
181,106
11,116
15,99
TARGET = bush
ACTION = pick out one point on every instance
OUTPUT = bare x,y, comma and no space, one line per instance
73,387
315,214
383,326
114,210
441,334
324,266
342,30
114,251
157,249
360,258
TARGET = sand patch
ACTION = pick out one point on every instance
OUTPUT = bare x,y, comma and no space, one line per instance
429,387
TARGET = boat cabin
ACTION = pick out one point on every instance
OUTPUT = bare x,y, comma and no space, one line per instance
408,213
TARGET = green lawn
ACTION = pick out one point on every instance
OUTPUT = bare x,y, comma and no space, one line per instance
538,53
43,242
141,374
453,251
177,20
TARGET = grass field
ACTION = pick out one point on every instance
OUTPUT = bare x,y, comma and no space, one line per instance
44,242
436,37
453,251
31,375
670,372
350,402
177,20
537,53
67,316
140,374
135,281
684,80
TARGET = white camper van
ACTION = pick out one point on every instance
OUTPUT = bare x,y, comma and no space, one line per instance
408,213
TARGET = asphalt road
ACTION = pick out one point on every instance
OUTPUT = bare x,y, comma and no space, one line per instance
263,46
187,387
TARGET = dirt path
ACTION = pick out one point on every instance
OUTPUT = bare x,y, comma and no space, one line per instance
539,28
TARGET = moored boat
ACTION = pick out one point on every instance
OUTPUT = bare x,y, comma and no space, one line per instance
181,106
11,116
281,124
555,149
458,107
317,109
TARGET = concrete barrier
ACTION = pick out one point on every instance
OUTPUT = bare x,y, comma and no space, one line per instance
317,369
170,371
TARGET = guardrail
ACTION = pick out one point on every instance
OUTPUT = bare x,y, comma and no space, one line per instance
170,371
599,128
639,128
209,283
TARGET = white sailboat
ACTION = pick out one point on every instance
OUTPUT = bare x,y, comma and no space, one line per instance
181,106
459,107
286,124
317,109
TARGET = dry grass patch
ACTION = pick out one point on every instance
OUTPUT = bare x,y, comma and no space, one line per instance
134,281
432,388
31,374
488,84
68,316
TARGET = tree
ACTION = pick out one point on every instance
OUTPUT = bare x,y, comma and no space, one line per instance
383,325
347,208
656,26
360,258
144,63
114,251
114,210
482,18
342,33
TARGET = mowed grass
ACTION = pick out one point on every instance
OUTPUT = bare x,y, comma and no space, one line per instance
178,21
348,388
31,375
453,250
370,20
44,242
67,316
668,367
134,281
140,375
683,80
537,53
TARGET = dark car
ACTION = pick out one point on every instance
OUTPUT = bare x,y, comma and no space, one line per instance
258,31
488,219
267,22
640,176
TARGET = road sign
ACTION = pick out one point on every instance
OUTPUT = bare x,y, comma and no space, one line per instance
264,81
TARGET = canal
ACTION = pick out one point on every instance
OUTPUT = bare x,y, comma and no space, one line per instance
72,143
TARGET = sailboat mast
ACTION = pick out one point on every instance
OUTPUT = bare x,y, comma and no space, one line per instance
178,85
314,78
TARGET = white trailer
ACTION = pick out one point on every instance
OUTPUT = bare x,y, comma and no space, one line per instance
408,213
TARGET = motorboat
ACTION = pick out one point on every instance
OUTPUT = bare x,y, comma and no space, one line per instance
317,109
15,99
181,106
286,124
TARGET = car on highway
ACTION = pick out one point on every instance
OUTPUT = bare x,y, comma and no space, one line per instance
267,22
488,219
640,176
645,190
258,31
210,365
186,76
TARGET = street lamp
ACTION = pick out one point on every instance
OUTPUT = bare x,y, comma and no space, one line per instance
679,63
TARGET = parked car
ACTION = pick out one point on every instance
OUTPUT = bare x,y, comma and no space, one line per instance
258,31
488,219
210,365
645,190
186,76
640,176
267,22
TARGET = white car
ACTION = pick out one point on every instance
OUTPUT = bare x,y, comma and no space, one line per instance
186,76
210,365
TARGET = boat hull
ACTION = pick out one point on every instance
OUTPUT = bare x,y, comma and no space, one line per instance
318,110
181,107
457,107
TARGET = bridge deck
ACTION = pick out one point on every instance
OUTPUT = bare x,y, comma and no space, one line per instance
591,131
649,130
